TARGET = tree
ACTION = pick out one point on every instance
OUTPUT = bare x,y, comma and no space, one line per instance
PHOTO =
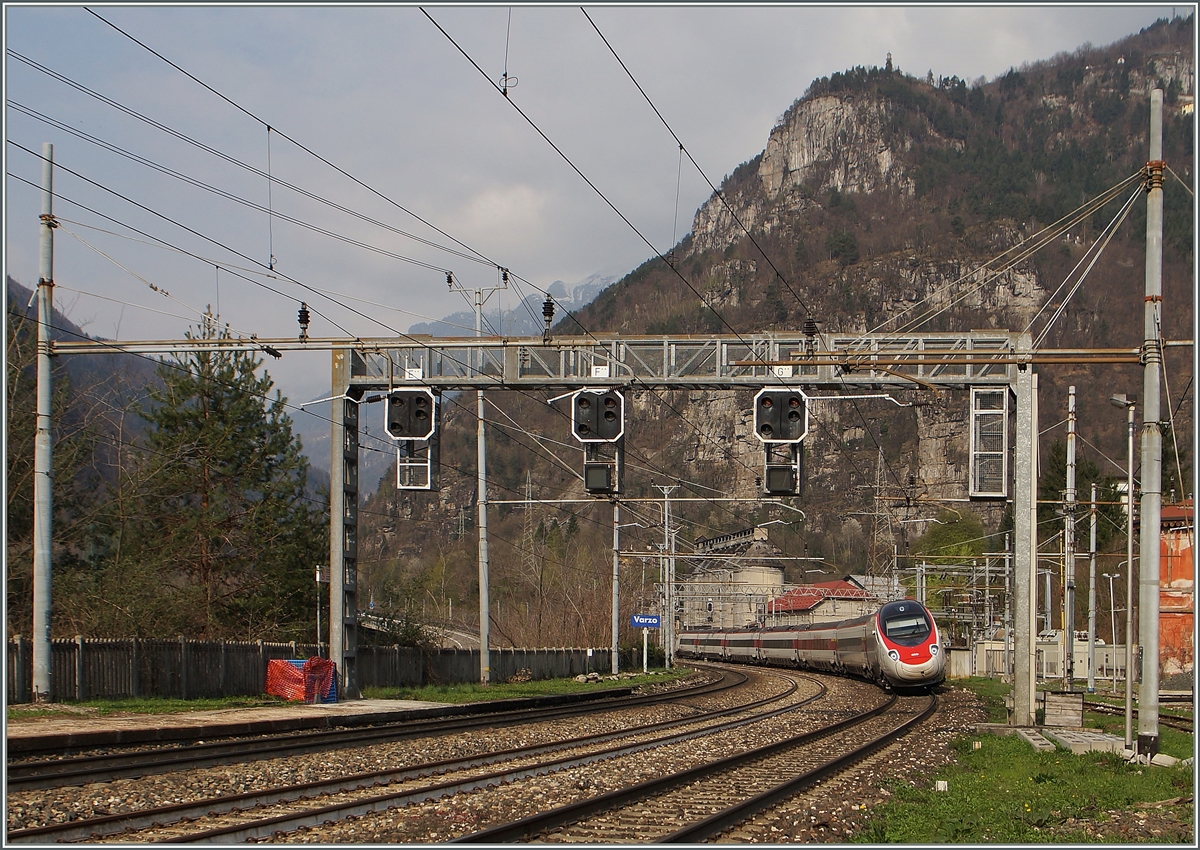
843,247
222,540
77,486
954,538
1052,485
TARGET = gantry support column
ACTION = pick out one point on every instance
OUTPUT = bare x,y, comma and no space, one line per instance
1025,543
343,534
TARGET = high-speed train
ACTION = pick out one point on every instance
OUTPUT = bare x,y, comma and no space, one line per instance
898,646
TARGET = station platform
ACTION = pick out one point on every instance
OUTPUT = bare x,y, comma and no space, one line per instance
65,730
60,731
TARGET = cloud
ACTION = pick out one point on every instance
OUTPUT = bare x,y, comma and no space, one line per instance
384,96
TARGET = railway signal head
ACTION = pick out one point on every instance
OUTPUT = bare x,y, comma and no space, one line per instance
598,477
782,481
780,416
597,416
411,414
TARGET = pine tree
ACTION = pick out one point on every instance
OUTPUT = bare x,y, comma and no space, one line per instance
223,521
77,486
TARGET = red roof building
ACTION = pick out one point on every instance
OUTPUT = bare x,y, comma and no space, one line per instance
824,601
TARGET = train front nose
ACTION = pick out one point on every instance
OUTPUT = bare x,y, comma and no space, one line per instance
921,671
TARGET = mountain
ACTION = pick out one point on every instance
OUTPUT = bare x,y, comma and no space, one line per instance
525,320
878,196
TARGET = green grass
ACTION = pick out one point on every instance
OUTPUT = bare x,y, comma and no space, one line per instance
430,693
992,692
142,705
1005,792
463,693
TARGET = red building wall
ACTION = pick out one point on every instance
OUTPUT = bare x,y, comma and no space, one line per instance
1177,574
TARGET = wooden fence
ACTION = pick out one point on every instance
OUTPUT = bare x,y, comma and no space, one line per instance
99,668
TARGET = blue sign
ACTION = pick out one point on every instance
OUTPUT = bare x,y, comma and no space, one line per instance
644,621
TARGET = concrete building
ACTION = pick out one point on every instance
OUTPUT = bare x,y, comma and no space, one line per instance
732,583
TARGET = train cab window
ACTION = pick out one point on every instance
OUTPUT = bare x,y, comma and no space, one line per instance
904,623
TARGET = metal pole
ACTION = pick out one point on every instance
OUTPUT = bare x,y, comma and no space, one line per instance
1025,544
1008,609
1129,589
43,460
616,596
671,606
1069,551
1112,616
668,576
343,526
1047,617
1151,530
485,666
485,671
1091,685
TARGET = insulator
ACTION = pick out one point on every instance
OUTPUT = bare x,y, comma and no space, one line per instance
450,279
548,309
504,276
810,327
302,318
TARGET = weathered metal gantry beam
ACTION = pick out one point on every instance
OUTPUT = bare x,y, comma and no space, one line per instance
695,361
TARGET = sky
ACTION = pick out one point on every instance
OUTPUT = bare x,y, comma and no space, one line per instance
381,94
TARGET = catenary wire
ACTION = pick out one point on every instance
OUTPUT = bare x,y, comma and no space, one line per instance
267,274
265,124
304,148
717,193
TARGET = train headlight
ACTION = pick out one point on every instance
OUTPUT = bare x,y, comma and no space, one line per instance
933,649
894,655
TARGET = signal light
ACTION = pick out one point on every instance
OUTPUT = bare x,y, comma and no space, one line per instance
411,414
598,416
780,416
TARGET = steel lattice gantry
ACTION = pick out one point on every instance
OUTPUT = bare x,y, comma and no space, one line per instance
814,362
688,362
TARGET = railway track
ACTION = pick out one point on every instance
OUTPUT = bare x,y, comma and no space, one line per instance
256,814
709,799
80,770
1174,721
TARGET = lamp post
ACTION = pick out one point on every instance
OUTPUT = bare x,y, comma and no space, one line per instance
1112,613
1129,403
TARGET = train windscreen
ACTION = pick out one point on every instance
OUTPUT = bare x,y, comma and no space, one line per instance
905,623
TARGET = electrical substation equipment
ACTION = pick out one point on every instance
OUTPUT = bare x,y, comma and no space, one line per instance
411,418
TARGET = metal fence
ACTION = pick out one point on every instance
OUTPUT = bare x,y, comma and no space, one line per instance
994,659
99,668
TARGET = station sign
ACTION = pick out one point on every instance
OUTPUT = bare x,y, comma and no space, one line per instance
644,621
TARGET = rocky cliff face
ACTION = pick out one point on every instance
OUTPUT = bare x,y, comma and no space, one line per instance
823,144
